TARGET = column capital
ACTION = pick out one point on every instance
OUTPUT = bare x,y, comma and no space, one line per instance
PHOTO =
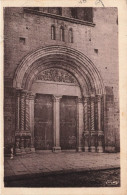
80,100
92,97
31,95
18,91
99,96
56,98
86,99
23,92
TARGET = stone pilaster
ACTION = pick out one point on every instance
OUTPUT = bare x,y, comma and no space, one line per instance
80,126
100,132
92,127
86,132
31,118
56,123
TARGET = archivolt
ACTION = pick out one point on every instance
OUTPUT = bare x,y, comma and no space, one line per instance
66,58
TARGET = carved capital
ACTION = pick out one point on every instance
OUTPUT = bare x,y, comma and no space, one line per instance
86,99
92,97
23,93
56,98
99,97
31,96
80,100
18,92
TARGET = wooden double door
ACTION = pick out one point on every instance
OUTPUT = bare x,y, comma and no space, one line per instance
43,130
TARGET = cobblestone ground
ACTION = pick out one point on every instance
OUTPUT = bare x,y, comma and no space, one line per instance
107,178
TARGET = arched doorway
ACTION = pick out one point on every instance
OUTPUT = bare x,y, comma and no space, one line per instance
68,80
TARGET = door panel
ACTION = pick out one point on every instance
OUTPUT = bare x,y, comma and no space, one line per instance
43,129
68,122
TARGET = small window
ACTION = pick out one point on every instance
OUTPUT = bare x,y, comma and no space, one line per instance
60,11
74,12
22,40
53,36
70,35
62,33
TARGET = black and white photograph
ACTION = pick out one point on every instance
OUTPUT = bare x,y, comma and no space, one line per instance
61,97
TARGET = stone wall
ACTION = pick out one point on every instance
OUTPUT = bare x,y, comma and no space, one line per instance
26,32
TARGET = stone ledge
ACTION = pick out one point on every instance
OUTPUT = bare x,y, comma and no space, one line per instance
73,20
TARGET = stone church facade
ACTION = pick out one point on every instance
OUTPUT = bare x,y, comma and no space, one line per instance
61,79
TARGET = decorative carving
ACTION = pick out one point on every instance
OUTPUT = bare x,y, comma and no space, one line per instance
56,98
80,100
92,113
56,75
27,117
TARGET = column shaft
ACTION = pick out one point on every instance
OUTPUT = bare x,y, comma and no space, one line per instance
17,116
27,114
31,111
56,123
100,132
80,126
22,110
86,130
17,110
93,133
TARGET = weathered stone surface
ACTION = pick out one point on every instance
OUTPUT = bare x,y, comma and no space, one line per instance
26,32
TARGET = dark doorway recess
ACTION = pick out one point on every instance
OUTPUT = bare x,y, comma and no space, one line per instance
43,129
68,122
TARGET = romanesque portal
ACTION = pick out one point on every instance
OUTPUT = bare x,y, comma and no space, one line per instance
59,102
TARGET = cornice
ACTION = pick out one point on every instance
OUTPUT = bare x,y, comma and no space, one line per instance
72,20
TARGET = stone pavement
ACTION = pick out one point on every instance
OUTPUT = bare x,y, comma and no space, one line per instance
42,163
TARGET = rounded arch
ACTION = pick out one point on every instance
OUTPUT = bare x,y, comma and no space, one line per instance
66,58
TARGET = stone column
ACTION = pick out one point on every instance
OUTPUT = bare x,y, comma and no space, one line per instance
100,132
80,126
27,114
56,123
31,117
86,131
92,127
18,110
17,117
27,124
22,120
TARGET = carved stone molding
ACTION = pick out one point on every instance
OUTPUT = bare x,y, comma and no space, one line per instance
56,75
56,98
80,100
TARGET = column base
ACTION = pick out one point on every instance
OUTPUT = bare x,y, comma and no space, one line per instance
109,149
100,149
79,149
17,152
86,149
23,151
92,149
27,150
32,149
56,149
